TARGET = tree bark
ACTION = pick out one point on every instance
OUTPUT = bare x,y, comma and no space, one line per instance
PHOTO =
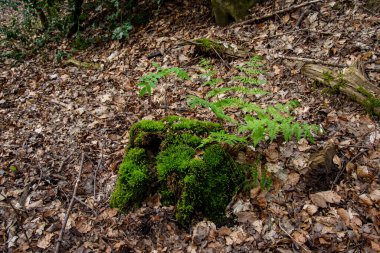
76,12
350,81
227,11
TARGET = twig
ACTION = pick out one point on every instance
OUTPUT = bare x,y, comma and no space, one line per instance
302,17
85,204
343,169
70,206
65,160
309,60
291,237
17,220
253,20
97,168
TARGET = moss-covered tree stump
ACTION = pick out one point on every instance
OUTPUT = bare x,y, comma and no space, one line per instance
226,11
163,156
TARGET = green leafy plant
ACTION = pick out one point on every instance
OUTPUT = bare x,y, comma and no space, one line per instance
13,168
222,137
122,32
149,81
258,123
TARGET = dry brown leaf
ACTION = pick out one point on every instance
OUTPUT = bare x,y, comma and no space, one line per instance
322,198
344,216
292,179
84,226
365,199
310,209
375,196
44,242
299,236
375,246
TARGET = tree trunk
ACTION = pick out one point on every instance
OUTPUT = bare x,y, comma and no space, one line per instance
76,12
350,81
227,11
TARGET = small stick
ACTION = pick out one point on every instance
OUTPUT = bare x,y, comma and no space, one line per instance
291,237
84,203
17,221
70,206
253,20
97,168
65,160
302,17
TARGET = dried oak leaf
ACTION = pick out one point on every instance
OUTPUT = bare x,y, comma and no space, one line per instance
322,198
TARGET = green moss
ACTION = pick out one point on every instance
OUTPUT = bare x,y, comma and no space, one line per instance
209,185
208,46
327,77
140,129
195,126
133,181
185,138
231,10
195,184
371,102
175,159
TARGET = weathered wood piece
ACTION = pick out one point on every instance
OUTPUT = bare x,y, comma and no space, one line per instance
82,64
350,81
321,171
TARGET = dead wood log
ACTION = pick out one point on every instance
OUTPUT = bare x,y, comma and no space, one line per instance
350,81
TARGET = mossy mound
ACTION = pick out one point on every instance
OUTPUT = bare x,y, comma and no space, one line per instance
163,156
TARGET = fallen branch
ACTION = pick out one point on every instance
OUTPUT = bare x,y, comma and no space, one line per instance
350,81
315,61
70,206
291,8
291,237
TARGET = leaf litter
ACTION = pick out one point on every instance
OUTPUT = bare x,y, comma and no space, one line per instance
50,113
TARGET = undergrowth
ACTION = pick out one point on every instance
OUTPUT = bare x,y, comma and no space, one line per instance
252,123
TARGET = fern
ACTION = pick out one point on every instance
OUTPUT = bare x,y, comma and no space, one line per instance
248,80
222,137
195,101
149,81
238,89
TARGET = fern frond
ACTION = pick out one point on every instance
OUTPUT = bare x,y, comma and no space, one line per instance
248,80
286,129
213,82
222,137
275,114
273,128
238,89
219,113
229,103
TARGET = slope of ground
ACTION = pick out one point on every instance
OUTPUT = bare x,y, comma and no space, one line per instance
50,114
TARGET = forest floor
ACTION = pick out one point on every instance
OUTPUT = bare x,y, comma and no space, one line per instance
50,114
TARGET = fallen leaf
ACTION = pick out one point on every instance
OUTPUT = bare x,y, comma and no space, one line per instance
44,242
322,198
